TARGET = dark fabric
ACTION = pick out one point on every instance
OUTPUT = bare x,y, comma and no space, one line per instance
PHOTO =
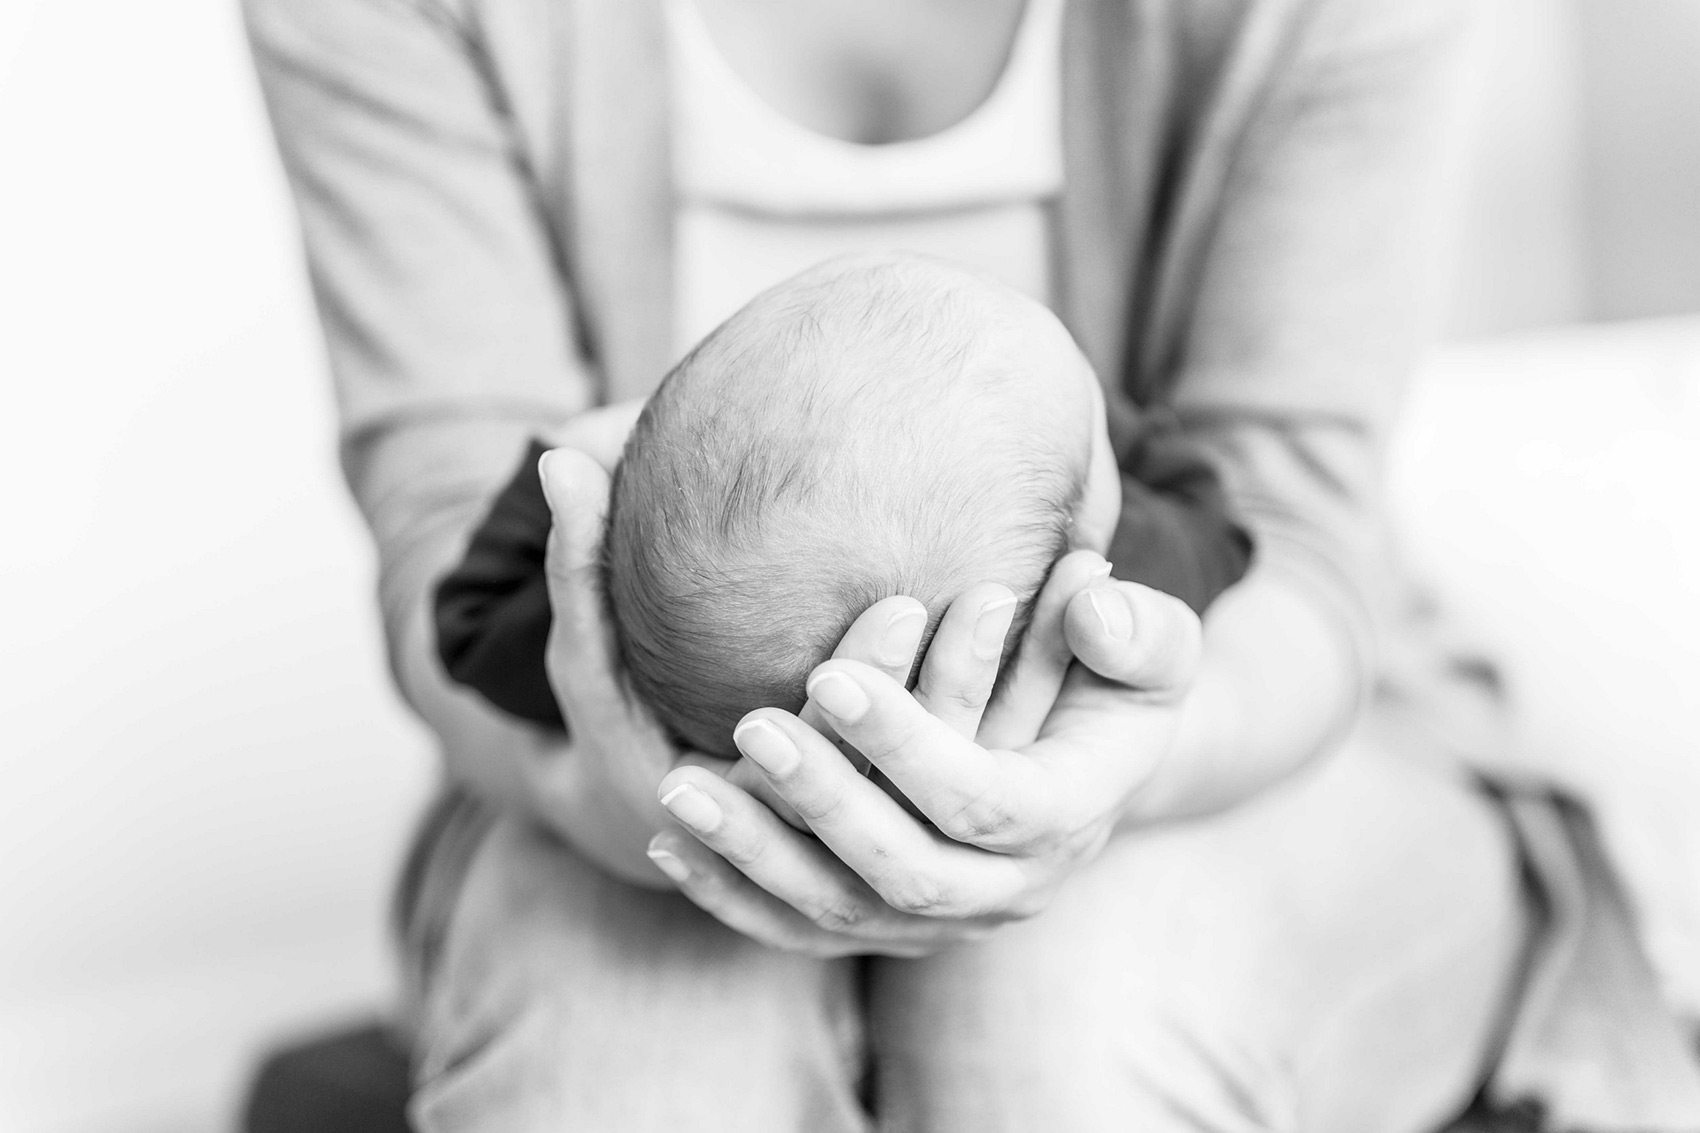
1176,533
492,611
351,1081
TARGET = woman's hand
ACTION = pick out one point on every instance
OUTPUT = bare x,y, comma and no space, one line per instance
598,790
1004,826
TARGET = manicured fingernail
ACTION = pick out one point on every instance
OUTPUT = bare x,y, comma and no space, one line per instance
902,636
841,697
992,627
1099,572
675,869
770,748
693,808
1113,613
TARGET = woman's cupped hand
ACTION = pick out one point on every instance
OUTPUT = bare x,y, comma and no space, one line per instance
978,807
913,819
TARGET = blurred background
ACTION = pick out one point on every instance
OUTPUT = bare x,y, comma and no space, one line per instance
205,780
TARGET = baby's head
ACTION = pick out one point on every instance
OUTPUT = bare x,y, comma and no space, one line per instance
874,426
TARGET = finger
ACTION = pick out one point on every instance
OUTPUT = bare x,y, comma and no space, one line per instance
576,488
886,635
1035,675
993,799
961,665
798,870
910,866
747,776
868,829
1136,636
716,887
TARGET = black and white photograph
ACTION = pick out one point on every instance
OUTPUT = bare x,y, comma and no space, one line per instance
850,566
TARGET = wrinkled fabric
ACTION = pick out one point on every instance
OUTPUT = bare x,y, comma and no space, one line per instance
1249,974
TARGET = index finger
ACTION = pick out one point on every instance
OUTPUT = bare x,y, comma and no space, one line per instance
885,637
995,798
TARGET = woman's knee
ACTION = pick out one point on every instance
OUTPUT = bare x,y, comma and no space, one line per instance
1160,1024
1186,977
567,999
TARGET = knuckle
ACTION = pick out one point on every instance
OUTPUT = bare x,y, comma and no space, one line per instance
841,915
815,807
920,897
985,818
896,737
967,699
745,853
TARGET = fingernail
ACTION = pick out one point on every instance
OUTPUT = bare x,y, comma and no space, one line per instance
902,637
770,748
1113,613
992,627
1099,572
841,697
693,808
677,871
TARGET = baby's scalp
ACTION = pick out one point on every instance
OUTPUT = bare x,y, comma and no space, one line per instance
875,426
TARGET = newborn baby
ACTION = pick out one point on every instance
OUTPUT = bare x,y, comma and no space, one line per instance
875,426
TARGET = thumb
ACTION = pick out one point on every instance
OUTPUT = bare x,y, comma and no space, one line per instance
1135,636
577,490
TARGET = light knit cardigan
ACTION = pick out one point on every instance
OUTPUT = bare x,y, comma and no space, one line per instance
1254,196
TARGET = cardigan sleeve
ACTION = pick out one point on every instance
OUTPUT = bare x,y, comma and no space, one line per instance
433,270
1313,294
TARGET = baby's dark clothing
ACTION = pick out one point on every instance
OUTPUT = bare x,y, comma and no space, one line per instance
1175,533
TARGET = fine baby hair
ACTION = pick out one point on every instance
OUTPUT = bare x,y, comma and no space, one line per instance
856,432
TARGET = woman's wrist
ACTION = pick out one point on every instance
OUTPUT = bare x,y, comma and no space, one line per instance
1277,687
605,813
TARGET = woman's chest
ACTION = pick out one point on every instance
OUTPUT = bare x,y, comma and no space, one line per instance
869,71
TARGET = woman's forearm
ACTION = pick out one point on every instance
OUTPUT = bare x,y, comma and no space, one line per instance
1278,686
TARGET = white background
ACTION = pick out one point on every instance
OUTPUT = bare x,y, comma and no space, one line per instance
204,778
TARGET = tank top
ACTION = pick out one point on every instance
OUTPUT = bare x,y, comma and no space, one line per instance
760,197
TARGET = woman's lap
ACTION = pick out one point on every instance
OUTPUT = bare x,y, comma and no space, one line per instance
564,999
1334,956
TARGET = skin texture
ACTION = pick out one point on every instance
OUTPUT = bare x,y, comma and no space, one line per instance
873,72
